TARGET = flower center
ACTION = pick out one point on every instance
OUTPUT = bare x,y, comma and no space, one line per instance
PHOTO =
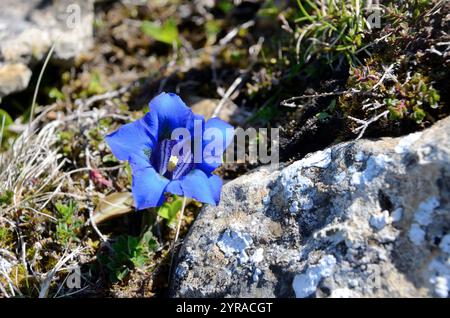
169,163
172,164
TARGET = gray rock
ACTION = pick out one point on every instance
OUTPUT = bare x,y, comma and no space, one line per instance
28,28
359,219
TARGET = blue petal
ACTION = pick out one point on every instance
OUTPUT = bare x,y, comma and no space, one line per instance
227,137
138,138
172,113
137,162
196,125
201,187
147,185
174,187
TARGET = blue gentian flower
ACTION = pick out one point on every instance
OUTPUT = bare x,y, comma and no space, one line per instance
157,168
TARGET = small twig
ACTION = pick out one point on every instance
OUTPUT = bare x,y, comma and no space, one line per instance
230,35
41,213
285,24
387,73
96,98
373,106
290,101
365,123
227,95
94,226
373,43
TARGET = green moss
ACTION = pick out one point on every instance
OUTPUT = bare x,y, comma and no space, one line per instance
66,141
95,85
6,237
6,197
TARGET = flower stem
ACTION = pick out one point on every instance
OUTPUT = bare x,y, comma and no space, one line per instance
180,219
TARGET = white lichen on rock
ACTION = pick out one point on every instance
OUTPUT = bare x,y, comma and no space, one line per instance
374,166
306,284
416,234
424,213
340,177
319,159
257,256
380,220
297,189
235,243
256,273
360,156
405,143
342,293
397,215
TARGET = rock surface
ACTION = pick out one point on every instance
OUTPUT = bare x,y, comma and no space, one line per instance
359,219
28,28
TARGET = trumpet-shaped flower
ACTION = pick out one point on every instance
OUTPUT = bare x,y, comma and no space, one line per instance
173,150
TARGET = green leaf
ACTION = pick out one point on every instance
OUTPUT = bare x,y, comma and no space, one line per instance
122,273
225,5
4,116
166,33
68,224
269,9
95,85
56,94
322,115
5,134
66,211
109,158
129,252
169,210
148,241
304,12
419,114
